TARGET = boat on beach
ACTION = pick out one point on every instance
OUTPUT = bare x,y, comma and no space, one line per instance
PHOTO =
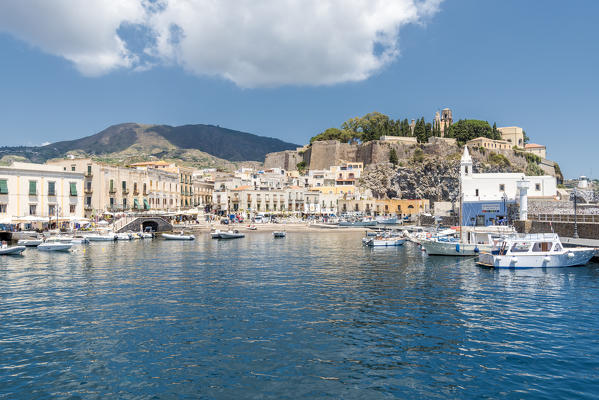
541,250
180,236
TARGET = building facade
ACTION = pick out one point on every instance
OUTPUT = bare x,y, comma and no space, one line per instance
489,144
512,134
537,149
37,190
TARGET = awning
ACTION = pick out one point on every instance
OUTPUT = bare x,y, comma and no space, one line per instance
146,204
73,189
3,186
135,204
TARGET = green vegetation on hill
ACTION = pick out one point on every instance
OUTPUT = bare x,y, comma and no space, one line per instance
374,125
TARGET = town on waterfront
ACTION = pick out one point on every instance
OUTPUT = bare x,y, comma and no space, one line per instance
281,199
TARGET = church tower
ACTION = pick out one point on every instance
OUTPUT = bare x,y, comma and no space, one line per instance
446,120
466,164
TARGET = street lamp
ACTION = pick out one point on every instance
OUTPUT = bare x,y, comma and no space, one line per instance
504,198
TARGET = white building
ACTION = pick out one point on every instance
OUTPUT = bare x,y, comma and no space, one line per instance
35,192
497,186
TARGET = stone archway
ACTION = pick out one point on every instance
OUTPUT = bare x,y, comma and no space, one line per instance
151,224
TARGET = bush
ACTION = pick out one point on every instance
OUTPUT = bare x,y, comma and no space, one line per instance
533,169
499,160
418,156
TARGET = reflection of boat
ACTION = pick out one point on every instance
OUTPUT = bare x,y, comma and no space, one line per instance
231,235
542,250
54,246
11,250
180,236
30,242
279,234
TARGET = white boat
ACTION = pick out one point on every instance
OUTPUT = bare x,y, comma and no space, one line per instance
541,250
124,236
231,235
101,237
472,241
181,236
79,240
30,242
252,227
384,241
279,234
6,250
145,235
215,234
56,246
386,220
59,239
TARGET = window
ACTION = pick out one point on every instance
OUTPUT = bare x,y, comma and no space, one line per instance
541,246
33,188
135,187
501,187
111,202
73,186
72,208
73,167
88,201
557,247
476,192
124,203
2,208
538,187
111,185
520,247
51,209
51,189
3,186
32,209
89,170
124,184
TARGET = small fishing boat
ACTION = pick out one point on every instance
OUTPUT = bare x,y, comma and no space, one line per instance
6,250
54,246
279,234
180,236
145,235
541,250
235,234
30,242
252,227
386,220
124,236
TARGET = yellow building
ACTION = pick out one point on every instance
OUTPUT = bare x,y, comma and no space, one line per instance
512,134
399,207
489,144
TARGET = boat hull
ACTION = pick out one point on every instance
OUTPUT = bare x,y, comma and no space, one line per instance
29,242
569,258
54,247
385,243
168,236
225,235
358,223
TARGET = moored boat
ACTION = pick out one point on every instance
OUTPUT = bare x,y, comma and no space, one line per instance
181,236
384,241
6,250
54,246
215,234
542,250
101,237
279,234
30,242
235,234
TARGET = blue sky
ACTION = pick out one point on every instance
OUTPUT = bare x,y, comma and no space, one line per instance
524,63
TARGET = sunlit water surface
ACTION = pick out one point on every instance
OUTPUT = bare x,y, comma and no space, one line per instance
313,315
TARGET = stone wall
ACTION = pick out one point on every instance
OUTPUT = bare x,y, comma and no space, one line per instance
566,229
286,160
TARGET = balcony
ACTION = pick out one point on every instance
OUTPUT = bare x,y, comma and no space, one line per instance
88,175
112,191
125,192
88,191
88,207
135,192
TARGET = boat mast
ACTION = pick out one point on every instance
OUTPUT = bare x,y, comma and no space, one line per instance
460,209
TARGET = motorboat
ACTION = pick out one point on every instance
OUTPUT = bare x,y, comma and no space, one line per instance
59,239
360,223
180,236
235,234
6,250
215,234
145,235
79,240
124,236
383,241
54,246
252,227
101,237
541,250
279,234
387,220
30,242
471,241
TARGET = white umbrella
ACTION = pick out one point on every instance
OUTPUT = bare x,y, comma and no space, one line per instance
103,223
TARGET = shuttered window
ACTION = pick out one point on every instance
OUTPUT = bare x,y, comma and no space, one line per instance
51,188
3,186
33,188
73,189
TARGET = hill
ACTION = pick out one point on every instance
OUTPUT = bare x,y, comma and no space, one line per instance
201,145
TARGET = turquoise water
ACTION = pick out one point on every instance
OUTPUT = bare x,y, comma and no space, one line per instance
314,315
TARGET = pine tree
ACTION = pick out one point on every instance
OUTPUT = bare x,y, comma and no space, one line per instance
393,159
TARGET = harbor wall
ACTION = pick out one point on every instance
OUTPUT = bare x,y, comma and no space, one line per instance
565,229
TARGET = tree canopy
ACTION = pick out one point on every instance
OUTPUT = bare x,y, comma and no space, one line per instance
468,129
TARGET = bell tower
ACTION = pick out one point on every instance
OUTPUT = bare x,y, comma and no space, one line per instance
466,164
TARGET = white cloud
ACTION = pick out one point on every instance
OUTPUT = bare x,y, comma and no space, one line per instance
250,42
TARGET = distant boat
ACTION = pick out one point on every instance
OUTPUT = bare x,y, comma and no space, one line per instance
56,246
180,236
386,220
124,236
357,223
279,234
384,241
215,234
98,237
543,250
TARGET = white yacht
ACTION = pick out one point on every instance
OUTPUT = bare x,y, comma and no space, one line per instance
541,250
180,236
